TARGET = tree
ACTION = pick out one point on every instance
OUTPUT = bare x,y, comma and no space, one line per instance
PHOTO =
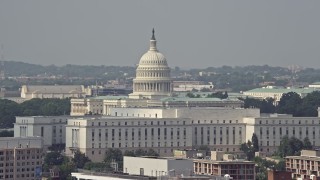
152,152
66,168
129,153
99,167
8,111
80,159
6,133
284,146
265,105
307,144
140,152
255,142
290,147
113,154
52,159
247,148
219,94
289,103
190,95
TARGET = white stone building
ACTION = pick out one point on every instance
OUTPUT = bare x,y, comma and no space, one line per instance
150,118
270,130
153,80
152,87
164,130
276,92
21,158
51,128
157,167
52,91
160,129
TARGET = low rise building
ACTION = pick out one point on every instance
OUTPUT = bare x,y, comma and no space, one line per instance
21,158
157,167
222,164
189,153
52,91
276,92
278,175
306,165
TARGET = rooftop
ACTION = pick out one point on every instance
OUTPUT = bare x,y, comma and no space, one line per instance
281,90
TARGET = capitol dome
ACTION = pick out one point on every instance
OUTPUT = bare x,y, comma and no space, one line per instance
153,80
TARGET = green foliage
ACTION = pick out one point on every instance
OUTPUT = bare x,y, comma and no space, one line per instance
129,153
140,152
263,165
56,159
66,169
8,111
33,107
6,133
307,144
97,167
289,103
220,95
292,103
247,148
250,147
113,154
255,143
292,146
53,159
80,159
191,95
47,107
265,105
205,90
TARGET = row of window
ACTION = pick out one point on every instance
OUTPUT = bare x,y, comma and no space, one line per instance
285,131
288,121
144,132
132,123
211,121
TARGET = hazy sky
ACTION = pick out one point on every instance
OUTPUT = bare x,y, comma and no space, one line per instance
189,33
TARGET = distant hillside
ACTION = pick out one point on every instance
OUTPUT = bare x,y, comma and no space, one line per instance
13,68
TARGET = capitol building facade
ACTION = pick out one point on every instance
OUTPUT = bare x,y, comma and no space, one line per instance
151,117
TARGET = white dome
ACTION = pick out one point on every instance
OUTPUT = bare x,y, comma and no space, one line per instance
153,58
153,79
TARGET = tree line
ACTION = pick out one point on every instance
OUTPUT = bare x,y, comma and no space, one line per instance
290,103
34,107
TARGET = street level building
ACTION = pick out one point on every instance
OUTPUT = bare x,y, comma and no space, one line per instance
306,165
21,158
157,167
222,164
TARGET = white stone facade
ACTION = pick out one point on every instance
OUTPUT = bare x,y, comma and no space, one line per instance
157,167
52,91
164,130
153,79
270,130
51,128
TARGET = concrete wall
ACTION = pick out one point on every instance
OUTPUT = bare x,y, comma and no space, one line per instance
156,167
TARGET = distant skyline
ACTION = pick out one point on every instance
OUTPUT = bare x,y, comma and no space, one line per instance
191,34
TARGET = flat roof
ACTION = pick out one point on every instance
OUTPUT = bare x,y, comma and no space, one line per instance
281,90
239,161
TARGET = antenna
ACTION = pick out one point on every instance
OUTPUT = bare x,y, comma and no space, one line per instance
2,74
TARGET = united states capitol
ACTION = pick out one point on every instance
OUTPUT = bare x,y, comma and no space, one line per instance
150,117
